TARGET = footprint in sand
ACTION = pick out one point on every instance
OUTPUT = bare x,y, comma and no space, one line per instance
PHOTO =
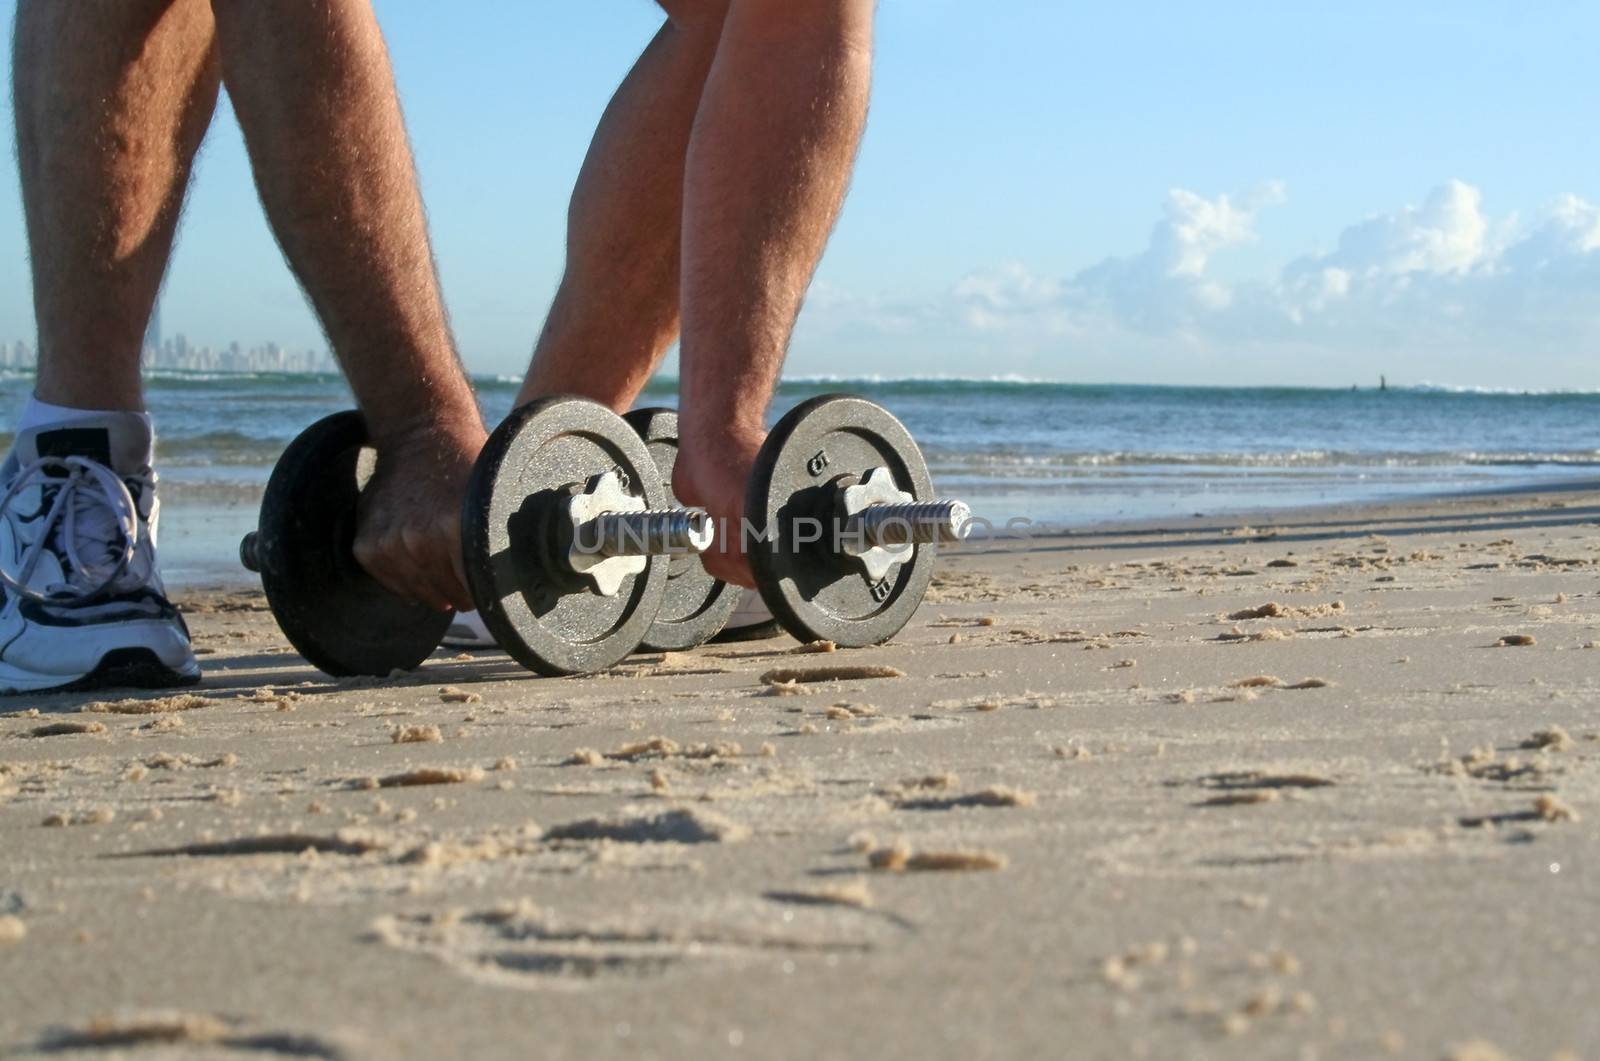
214,1036
528,949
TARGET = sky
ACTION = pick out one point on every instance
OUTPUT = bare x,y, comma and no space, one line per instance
1230,192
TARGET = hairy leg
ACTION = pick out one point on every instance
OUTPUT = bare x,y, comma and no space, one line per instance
616,312
311,83
112,102
769,162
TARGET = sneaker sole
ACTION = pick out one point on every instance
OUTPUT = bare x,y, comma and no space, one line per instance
754,632
124,668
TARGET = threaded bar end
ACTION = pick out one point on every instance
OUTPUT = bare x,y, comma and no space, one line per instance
249,554
913,524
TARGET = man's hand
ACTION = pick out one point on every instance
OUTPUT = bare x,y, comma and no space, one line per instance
408,531
713,472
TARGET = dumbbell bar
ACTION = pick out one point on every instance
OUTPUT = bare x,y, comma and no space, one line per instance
611,535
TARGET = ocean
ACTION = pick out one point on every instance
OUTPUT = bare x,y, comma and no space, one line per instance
1060,455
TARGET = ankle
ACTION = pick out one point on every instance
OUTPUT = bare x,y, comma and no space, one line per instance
93,396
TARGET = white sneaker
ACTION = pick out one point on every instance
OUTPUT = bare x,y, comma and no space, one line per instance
752,620
81,602
467,631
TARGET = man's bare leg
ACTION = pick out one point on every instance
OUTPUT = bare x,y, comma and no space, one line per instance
714,224
312,87
769,162
615,314
112,101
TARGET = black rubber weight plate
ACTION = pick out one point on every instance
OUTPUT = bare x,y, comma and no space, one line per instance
817,593
545,619
334,614
696,605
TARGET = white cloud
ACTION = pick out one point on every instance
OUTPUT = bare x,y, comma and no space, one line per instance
1166,286
1444,277
1447,234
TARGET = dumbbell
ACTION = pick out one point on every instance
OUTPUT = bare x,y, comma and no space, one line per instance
844,522
567,538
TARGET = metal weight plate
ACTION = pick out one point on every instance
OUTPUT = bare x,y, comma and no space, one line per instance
335,615
547,618
696,605
817,592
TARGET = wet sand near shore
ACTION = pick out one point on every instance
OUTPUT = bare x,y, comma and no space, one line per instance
1324,785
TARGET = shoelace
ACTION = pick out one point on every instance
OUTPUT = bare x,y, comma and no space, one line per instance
92,506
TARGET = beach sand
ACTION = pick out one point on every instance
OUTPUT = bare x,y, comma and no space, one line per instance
1097,816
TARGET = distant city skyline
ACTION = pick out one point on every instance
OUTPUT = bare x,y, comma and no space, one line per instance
178,353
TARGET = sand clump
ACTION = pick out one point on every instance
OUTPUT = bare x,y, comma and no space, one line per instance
284,700
1516,641
806,675
427,775
451,695
1241,799
656,748
417,735
442,855
844,711
156,706
1240,780
1259,681
12,930
901,858
1484,764
1554,739
853,893
93,816
1270,610
66,729
931,782
1274,610
1551,809
994,796
1270,681
1238,636
683,825
352,842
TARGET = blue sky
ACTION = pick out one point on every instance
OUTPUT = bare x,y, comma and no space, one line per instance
1231,192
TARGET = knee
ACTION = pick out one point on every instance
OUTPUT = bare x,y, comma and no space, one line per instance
847,19
696,14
